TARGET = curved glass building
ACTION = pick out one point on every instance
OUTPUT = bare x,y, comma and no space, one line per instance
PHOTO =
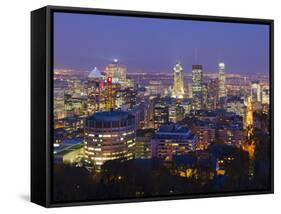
109,135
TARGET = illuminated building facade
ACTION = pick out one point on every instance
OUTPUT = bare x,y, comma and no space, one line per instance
108,136
265,95
69,152
205,96
95,85
231,135
236,104
249,119
213,87
176,113
68,105
249,113
172,140
76,86
143,143
256,91
197,82
155,88
160,114
215,126
206,134
71,126
250,144
178,86
117,71
187,105
222,87
59,111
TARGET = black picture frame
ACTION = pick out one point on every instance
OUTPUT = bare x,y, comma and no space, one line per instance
42,100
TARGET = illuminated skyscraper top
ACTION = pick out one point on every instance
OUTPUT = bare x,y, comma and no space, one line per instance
197,84
197,78
117,71
178,87
222,89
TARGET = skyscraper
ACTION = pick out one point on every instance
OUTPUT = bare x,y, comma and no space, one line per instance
265,95
222,89
116,71
205,96
197,82
94,98
213,87
256,91
178,86
160,114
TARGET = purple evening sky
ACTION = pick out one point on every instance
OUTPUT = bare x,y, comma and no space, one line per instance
83,41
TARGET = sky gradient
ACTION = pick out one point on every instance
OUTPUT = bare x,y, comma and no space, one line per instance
83,41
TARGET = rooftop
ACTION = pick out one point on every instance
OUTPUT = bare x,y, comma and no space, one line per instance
234,99
110,116
173,131
68,145
95,73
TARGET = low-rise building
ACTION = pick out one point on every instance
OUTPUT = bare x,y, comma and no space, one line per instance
171,140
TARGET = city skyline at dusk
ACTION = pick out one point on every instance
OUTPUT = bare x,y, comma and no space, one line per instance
147,107
83,41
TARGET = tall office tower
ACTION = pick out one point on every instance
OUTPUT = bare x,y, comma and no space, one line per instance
222,88
109,135
110,92
94,91
178,86
197,81
205,96
265,94
117,72
160,114
213,93
256,91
